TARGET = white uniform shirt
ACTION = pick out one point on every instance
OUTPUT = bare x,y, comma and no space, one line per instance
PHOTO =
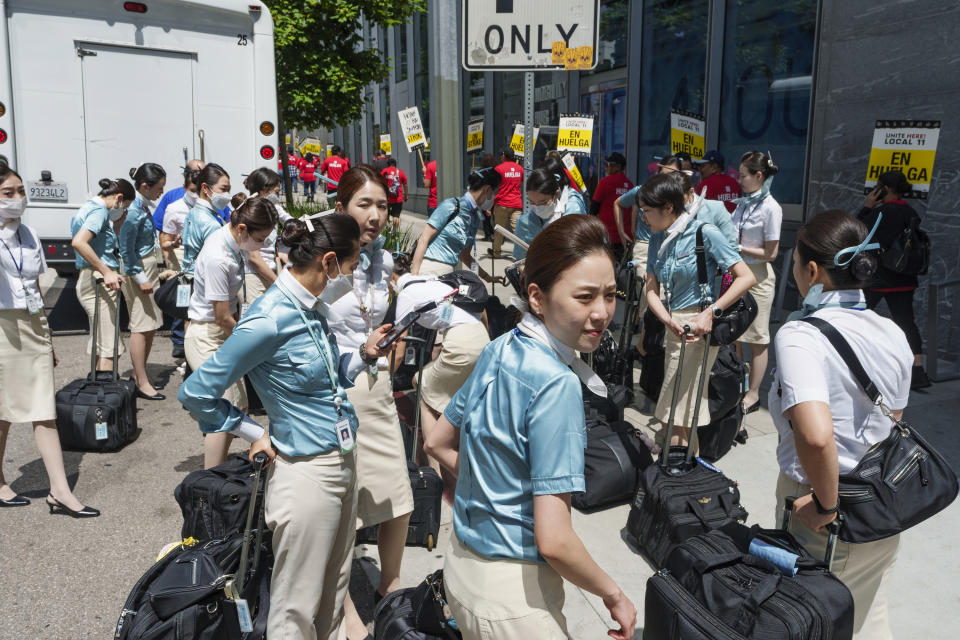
810,369
175,216
757,223
444,316
216,275
347,320
12,292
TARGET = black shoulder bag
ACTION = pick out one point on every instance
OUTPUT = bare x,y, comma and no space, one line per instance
900,481
736,319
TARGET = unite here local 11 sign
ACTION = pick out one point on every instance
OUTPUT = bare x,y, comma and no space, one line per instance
412,128
522,35
909,146
687,133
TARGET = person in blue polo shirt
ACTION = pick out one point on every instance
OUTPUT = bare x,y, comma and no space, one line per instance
213,194
452,229
515,434
549,198
284,345
674,294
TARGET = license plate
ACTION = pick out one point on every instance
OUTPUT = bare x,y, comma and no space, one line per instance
47,191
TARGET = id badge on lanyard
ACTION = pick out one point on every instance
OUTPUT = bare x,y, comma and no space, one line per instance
34,301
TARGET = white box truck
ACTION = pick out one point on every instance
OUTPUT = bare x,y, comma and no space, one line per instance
91,88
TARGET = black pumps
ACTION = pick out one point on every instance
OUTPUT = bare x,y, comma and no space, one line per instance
15,501
57,507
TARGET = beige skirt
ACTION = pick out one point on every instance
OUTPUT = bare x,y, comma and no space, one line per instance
383,485
201,341
175,259
86,294
763,292
144,313
503,599
443,377
640,250
255,287
689,377
26,367
433,268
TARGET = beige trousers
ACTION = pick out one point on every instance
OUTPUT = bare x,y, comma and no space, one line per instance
864,568
310,508
503,599
433,268
86,294
507,218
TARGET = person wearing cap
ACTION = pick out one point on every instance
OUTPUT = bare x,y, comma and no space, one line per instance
613,185
452,229
825,422
715,184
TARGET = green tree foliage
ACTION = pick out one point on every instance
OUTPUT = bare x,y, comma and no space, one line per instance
321,69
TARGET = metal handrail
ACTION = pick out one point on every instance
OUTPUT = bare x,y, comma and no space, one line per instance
933,335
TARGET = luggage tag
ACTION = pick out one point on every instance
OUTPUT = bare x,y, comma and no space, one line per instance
243,615
410,356
183,295
101,430
243,309
34,303
345,435
464,289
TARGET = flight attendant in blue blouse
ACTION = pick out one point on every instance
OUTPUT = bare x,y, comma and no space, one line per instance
515,435
284,345
675,296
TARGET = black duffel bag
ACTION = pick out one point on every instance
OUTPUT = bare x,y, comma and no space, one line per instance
166,295
900,481
734,320
613,461
215,501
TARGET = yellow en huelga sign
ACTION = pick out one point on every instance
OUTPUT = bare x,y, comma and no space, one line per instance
687,134
574,171
904,145
385,144
516,142
575,134
475,136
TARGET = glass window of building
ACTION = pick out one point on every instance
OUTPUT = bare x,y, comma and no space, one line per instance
673,72
421,80
612,45
765,97
608,105
400,48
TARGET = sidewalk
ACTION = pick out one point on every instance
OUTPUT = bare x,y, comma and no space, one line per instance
922,592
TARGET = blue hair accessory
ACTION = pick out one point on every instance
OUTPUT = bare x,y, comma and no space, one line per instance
866,245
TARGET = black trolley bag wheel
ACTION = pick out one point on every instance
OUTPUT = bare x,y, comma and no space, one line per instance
424,527
680,497
97,415
193,591
714,587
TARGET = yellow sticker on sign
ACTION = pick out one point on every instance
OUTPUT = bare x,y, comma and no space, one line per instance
475,136
571,59
687,134
517,142
575,134
585,57
558,52
904,145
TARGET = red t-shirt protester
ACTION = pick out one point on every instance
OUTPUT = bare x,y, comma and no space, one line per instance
307,169
509,196
431,175
396,183
609,188
715,184
334,167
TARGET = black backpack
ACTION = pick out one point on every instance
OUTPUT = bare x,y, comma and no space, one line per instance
472,294
909,254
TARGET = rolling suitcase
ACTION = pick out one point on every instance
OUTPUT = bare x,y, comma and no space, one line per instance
424,527
651,363
680,496
209,590
214,502
95,414
727,386
748,584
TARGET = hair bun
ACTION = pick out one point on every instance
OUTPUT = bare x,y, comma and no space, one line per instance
863,266
294,233
133,172
105,183
772,168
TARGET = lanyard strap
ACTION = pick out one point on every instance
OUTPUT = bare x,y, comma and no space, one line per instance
243,279
19,267
746,217
322,346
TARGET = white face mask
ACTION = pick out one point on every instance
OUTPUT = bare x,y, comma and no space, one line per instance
190,198
336,287
544,211
115,214
12,208
487,204
220,201
249,244
274,198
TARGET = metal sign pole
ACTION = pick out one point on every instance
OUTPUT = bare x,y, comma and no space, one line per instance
527,131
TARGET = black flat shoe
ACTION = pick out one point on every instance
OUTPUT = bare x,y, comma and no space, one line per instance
15,501
752,408
156,396
152,384
56,507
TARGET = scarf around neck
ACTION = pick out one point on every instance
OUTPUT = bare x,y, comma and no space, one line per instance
533,327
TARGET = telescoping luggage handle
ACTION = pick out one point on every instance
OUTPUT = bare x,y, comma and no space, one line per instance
833,530
95,332
692,443
416,420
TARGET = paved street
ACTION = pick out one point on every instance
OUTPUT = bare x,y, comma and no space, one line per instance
67,579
